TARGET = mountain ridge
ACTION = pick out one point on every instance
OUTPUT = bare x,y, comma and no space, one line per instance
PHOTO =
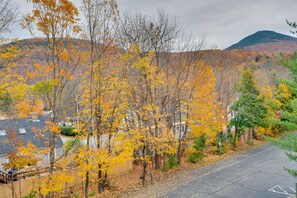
262,37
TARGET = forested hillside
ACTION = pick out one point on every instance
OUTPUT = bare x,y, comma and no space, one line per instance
228,65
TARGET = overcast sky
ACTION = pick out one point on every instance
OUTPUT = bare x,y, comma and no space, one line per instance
221,22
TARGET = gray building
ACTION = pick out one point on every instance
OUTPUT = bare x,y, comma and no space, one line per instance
22,131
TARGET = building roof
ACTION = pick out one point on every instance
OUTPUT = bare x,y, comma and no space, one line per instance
25,131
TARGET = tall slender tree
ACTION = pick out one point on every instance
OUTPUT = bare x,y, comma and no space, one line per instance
100,27
57,22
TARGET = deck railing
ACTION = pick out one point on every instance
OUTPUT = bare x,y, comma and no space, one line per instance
6,177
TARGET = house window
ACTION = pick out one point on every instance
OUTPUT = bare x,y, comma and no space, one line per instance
177,128
183,128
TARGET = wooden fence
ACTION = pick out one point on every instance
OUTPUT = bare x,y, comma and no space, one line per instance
24,183
8,178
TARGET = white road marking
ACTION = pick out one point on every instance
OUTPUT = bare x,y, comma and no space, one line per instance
280,190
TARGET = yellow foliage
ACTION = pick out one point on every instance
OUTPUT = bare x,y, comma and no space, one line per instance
25,155
206,113
283,94
18,91
266,131
38,107
273,106
55,182
23,108
54,128
64,55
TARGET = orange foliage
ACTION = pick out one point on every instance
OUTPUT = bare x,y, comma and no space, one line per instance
24,108
54,128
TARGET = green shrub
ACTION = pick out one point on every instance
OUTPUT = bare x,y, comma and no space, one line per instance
92,193
171,163
225,140
71,146
220,149
31,195
68,131
199,146
6,102
76,195
195,157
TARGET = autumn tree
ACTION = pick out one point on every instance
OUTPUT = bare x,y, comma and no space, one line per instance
25,155
161,35
272,119
155,34
9,80
206,116
12,85
100,18
183,68
150,33
21,155
143,121
227,69
57,22
200,111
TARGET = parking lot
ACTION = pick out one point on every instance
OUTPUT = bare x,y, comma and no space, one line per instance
256,174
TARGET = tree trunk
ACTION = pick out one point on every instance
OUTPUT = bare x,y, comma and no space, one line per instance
164,159
180,137
254,135
144,173
12,186
100,183
228,129
87,185
249,135
179,152
235,136
157,161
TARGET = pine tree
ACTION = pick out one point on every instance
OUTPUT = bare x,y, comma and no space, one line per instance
287,98
289,144
287,95
250,110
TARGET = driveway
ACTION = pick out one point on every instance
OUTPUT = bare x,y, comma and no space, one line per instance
259,173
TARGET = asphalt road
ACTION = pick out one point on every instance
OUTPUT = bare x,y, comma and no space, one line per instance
258,173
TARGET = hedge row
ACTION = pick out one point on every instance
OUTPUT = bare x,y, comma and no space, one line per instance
68,131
